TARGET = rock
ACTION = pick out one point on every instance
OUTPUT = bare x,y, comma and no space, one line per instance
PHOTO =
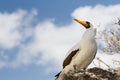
94,74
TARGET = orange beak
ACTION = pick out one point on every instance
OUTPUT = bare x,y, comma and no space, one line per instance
81,22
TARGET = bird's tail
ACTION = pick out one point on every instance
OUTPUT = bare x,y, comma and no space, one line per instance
57,75
60,76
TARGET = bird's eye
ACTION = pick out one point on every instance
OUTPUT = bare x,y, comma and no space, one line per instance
88,26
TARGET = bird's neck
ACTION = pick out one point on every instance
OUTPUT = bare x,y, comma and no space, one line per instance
88,40
89,34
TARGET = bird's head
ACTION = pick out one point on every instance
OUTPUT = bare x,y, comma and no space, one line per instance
86,24
91,30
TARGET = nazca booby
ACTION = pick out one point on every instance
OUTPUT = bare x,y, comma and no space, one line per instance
82,54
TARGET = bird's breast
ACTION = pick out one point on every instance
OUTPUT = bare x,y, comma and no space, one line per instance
85,56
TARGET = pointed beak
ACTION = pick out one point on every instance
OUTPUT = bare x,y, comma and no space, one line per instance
84,23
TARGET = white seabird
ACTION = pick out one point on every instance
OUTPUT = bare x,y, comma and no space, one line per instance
82,54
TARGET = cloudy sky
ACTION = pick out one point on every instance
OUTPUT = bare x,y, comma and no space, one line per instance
35,35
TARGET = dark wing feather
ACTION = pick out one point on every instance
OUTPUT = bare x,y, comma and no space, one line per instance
69,58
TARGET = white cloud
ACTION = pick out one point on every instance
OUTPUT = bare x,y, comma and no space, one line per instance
98,15
15,28
10,25
50,42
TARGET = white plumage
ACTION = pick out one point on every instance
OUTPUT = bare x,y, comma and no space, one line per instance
82,54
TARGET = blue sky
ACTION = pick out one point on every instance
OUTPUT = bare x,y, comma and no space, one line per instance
25,43
60,10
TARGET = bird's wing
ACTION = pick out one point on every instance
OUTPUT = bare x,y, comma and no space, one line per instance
69,57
